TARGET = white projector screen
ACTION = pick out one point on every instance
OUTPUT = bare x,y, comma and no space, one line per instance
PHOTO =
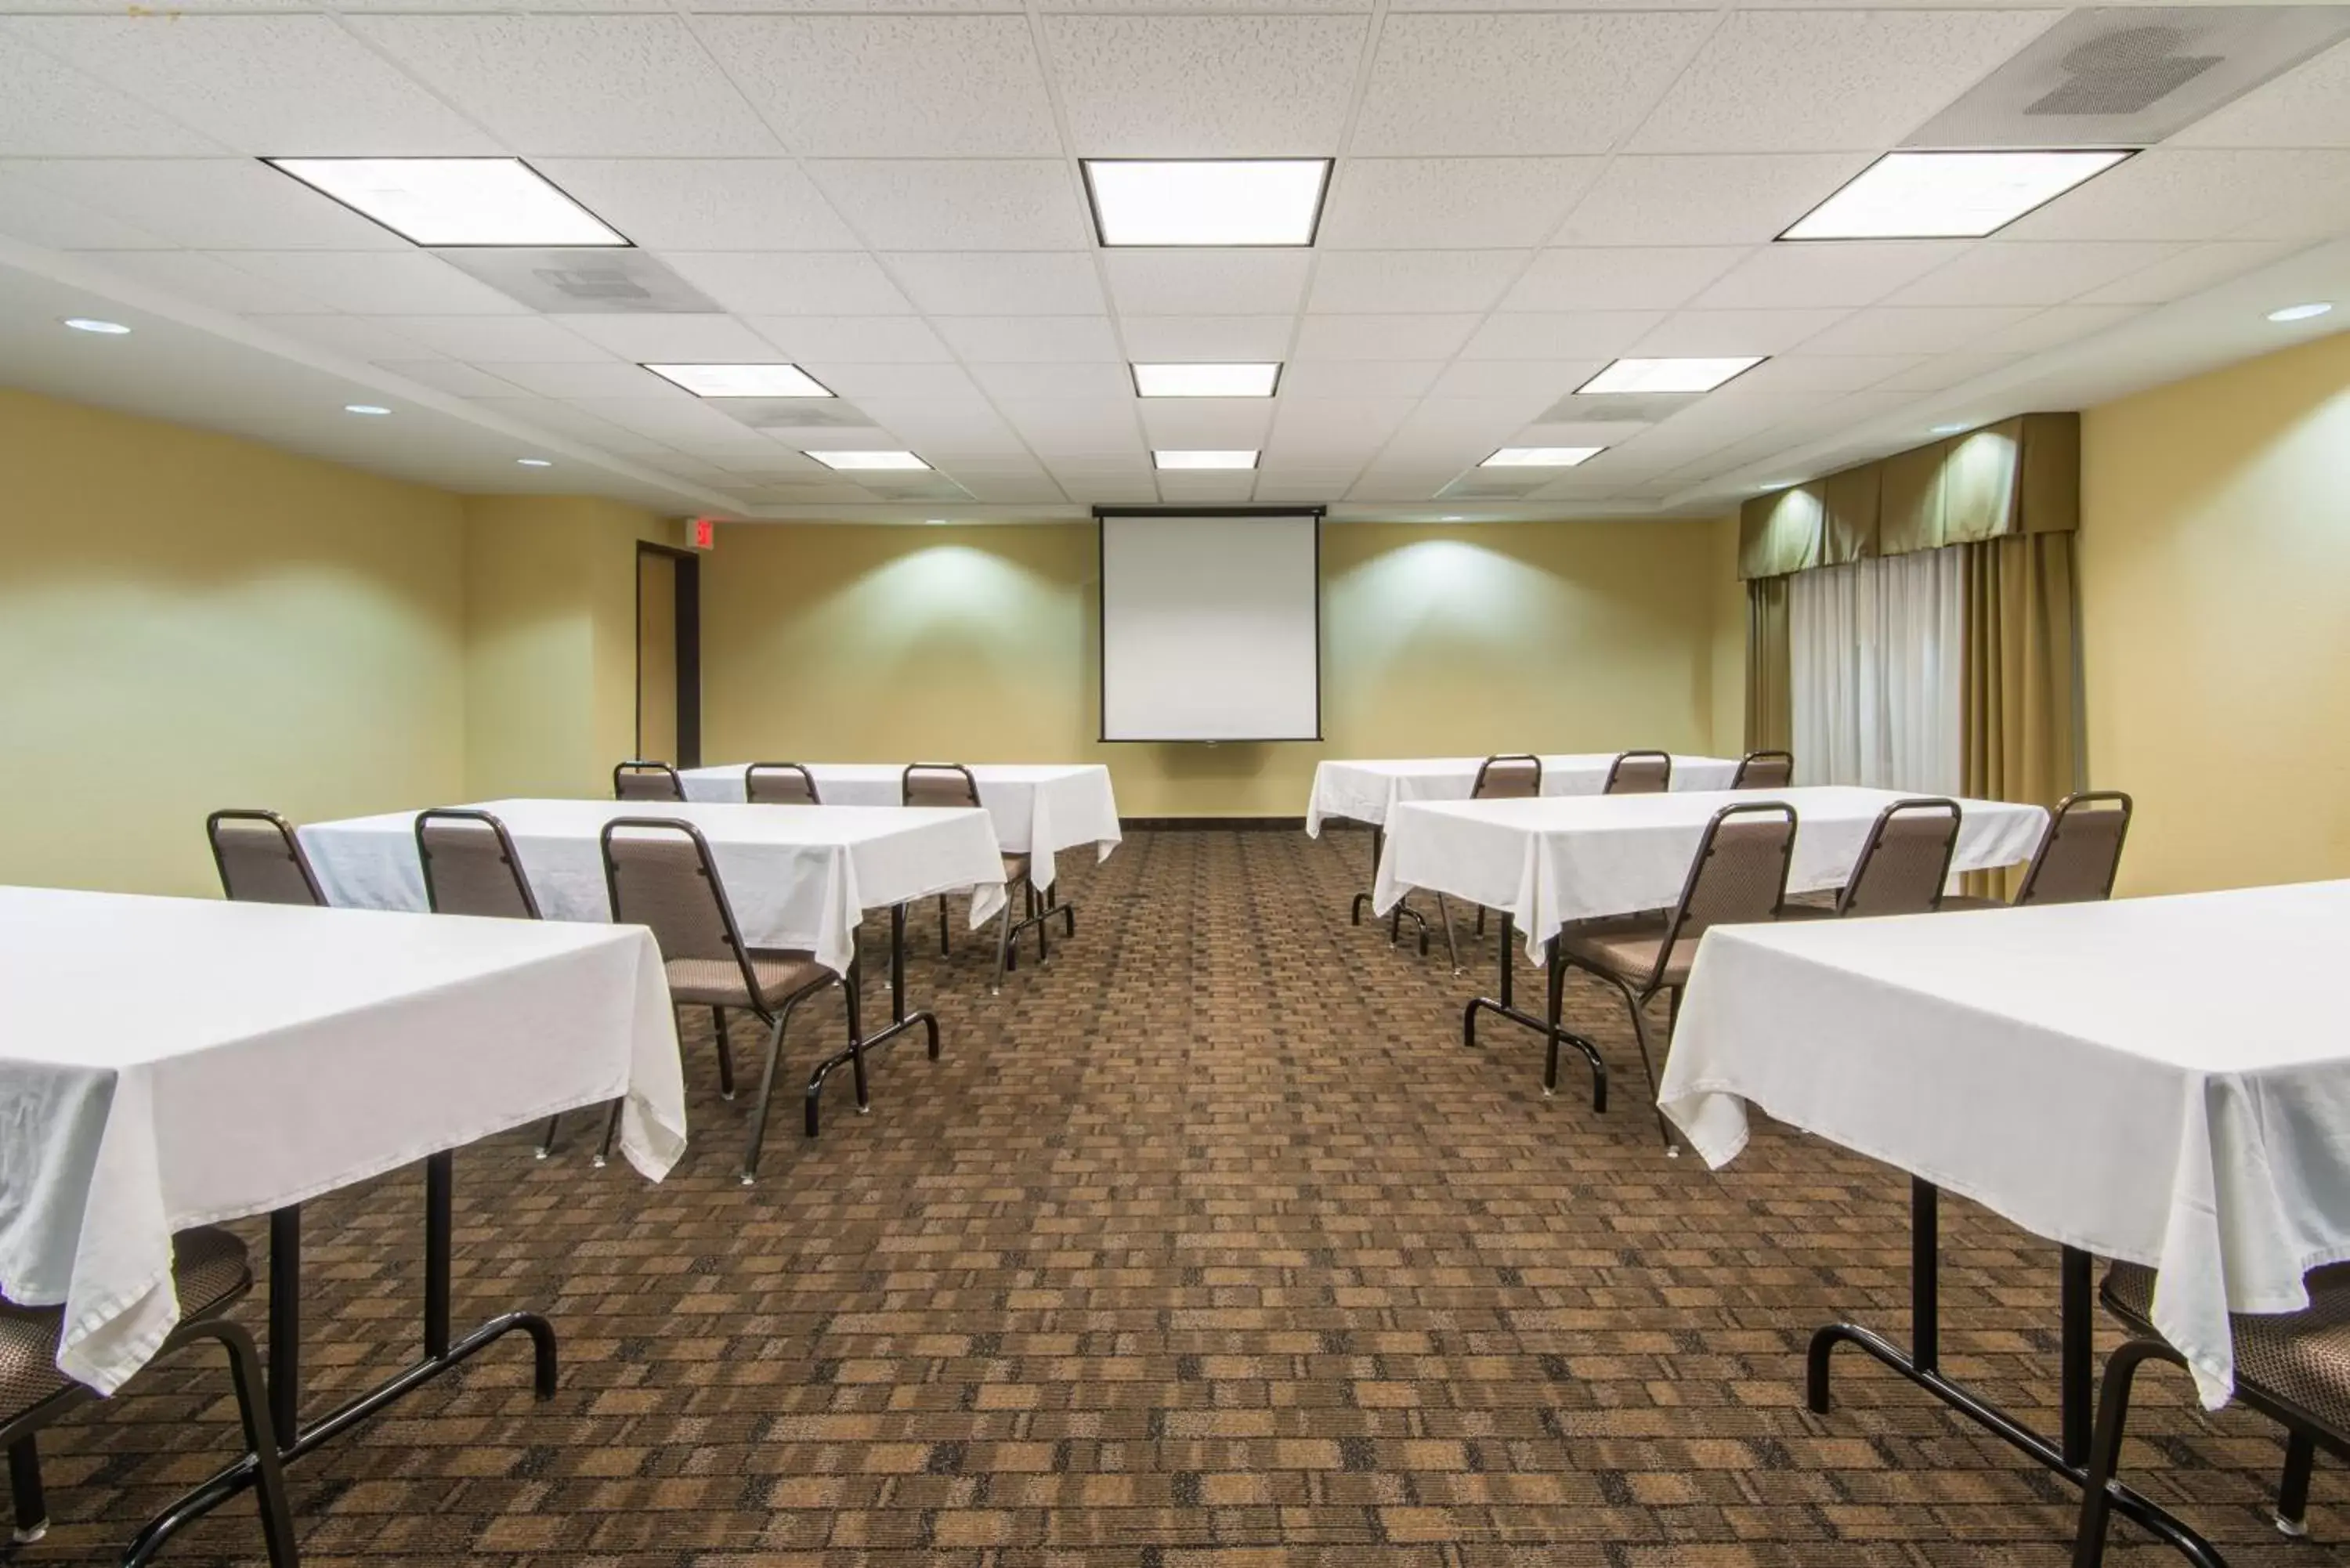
1211,628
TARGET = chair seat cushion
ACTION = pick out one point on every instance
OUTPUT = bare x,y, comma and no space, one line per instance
1627,949
718,983
210,1269
2301,1358
1015,867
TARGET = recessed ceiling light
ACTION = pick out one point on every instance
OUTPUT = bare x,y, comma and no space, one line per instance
2300,312
365,408
1251,381
1450,517
454,200
1206,202
742,381
1666,375
1947,429
1541,456
92,324
534,463
1205,459
1946,195
868,460
934,522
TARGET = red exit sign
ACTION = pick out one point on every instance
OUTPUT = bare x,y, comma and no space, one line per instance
702,533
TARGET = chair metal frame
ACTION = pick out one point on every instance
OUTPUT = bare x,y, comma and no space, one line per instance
1871,845
285,831
2048,840
1038,908
807,782
1771,754
1615,770
645,767
17,1436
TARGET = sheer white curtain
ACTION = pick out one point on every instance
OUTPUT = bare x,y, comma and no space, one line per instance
1875,652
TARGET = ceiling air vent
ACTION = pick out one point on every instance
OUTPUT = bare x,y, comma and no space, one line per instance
2131,76
1616,408
914,487
569,281
793,414
1482,486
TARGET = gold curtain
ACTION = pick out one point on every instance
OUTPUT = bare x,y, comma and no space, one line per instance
2021,705
1769,667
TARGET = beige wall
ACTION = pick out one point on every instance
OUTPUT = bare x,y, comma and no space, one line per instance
1728,619
2215,583
978,643
189,621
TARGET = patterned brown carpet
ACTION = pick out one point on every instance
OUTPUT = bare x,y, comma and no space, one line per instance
1206,1245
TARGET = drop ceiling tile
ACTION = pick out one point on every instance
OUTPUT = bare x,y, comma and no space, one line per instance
1383,337
2192,270
448,375
961,435
2309,106
2000,272
1562,334
1207,424
918,382
853,340
263,85
704,204
1000,283
574,380
1396,203
1206,486
1037,492
1029,340
1339,425
1822,81
891,87
1063,427
375,283
1367,282
792,282
618,86
48,108
1207,282
1518,83
1546,378
1849,273
1708,334
2202,194
1910,330
40,216
481,339
963,204
2056,326
1632,278
1318,381
671,339
356,337
562,420
210,203
1197,87
1829,373
1705,200
1047,383
1944,371
1212,339
205,280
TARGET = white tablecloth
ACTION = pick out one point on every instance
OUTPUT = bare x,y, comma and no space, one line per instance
1040,808
1369,790
2161,1080
174,1062
799,877
1577,858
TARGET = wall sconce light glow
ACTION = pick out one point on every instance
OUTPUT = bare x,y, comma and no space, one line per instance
454,200
2300,312
371,409
1541,456
1666,375
1206,380
1946,195
742,381
534,463
92,324
868,460
1450,517
1206,201
1233,459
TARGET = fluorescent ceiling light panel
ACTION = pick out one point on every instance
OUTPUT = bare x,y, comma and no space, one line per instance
742,381
2290,312
1206,202
454,200
534,463
868,460
1541,456
1666,375
92,324
1946,195
1206,380
1205,459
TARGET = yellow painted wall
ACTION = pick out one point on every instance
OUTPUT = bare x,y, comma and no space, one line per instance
979,644
1727,620
190,621
2215,587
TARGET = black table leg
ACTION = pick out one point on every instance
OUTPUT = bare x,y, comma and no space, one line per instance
1403,910
900,1018
1921,1365
1504,1004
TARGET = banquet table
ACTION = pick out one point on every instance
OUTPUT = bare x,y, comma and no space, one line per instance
286,1052
1039,808
1545,862
2093,1073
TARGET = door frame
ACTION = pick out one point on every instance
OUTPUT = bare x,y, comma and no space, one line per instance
689,653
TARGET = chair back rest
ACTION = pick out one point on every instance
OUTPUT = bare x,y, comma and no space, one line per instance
260,860
1906,862
1508,776
639,779
470,867
2081,852
779,783
659,874
1765,770
1640,772
1740,875
939,783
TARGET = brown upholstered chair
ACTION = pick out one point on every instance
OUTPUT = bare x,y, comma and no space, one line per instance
659,874
1904,864
951,785
1740,875
2078,856
260,860
1505,775
1639,772
210,1271
640,780
2293,1367
1765,770
780,783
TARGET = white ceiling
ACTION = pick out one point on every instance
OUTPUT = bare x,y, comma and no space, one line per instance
886,192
